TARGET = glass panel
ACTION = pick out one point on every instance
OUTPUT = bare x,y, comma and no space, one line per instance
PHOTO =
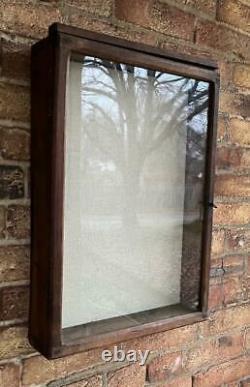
134,174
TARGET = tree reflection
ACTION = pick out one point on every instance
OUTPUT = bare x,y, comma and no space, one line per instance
134,170
128,113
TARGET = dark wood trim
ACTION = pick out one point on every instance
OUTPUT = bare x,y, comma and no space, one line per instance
48,81
57,187
41,141
105,50
58,28
48,87
209,190
73,343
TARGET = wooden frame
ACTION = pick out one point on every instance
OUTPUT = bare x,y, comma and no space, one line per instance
49,67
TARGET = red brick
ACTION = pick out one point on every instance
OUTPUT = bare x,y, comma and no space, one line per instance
241,76
212,351
2,222
206,6
14,144
248,265
232,158
80,19
137,11
10,375
230,345
165,366
222,39
233,263
231,185
14,263
225,320
222,128
11,182
173,338
188,48
94,381
226,74
38,370
182,381
15,60
246,287
20,110
134,375
18,222
232,289
237,240
98,7
223,373
28,19
248,339
14,342
234,12
239,131
161,17
216,263
218,242
172,21
14,302
215,295
28,182
235,104
232,214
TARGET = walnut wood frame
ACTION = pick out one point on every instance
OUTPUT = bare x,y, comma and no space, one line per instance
50,58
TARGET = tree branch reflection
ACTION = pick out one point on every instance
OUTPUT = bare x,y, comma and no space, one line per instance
129,113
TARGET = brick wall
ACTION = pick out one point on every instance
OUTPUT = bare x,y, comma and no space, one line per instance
211,353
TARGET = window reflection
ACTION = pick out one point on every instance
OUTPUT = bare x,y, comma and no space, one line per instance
134,175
